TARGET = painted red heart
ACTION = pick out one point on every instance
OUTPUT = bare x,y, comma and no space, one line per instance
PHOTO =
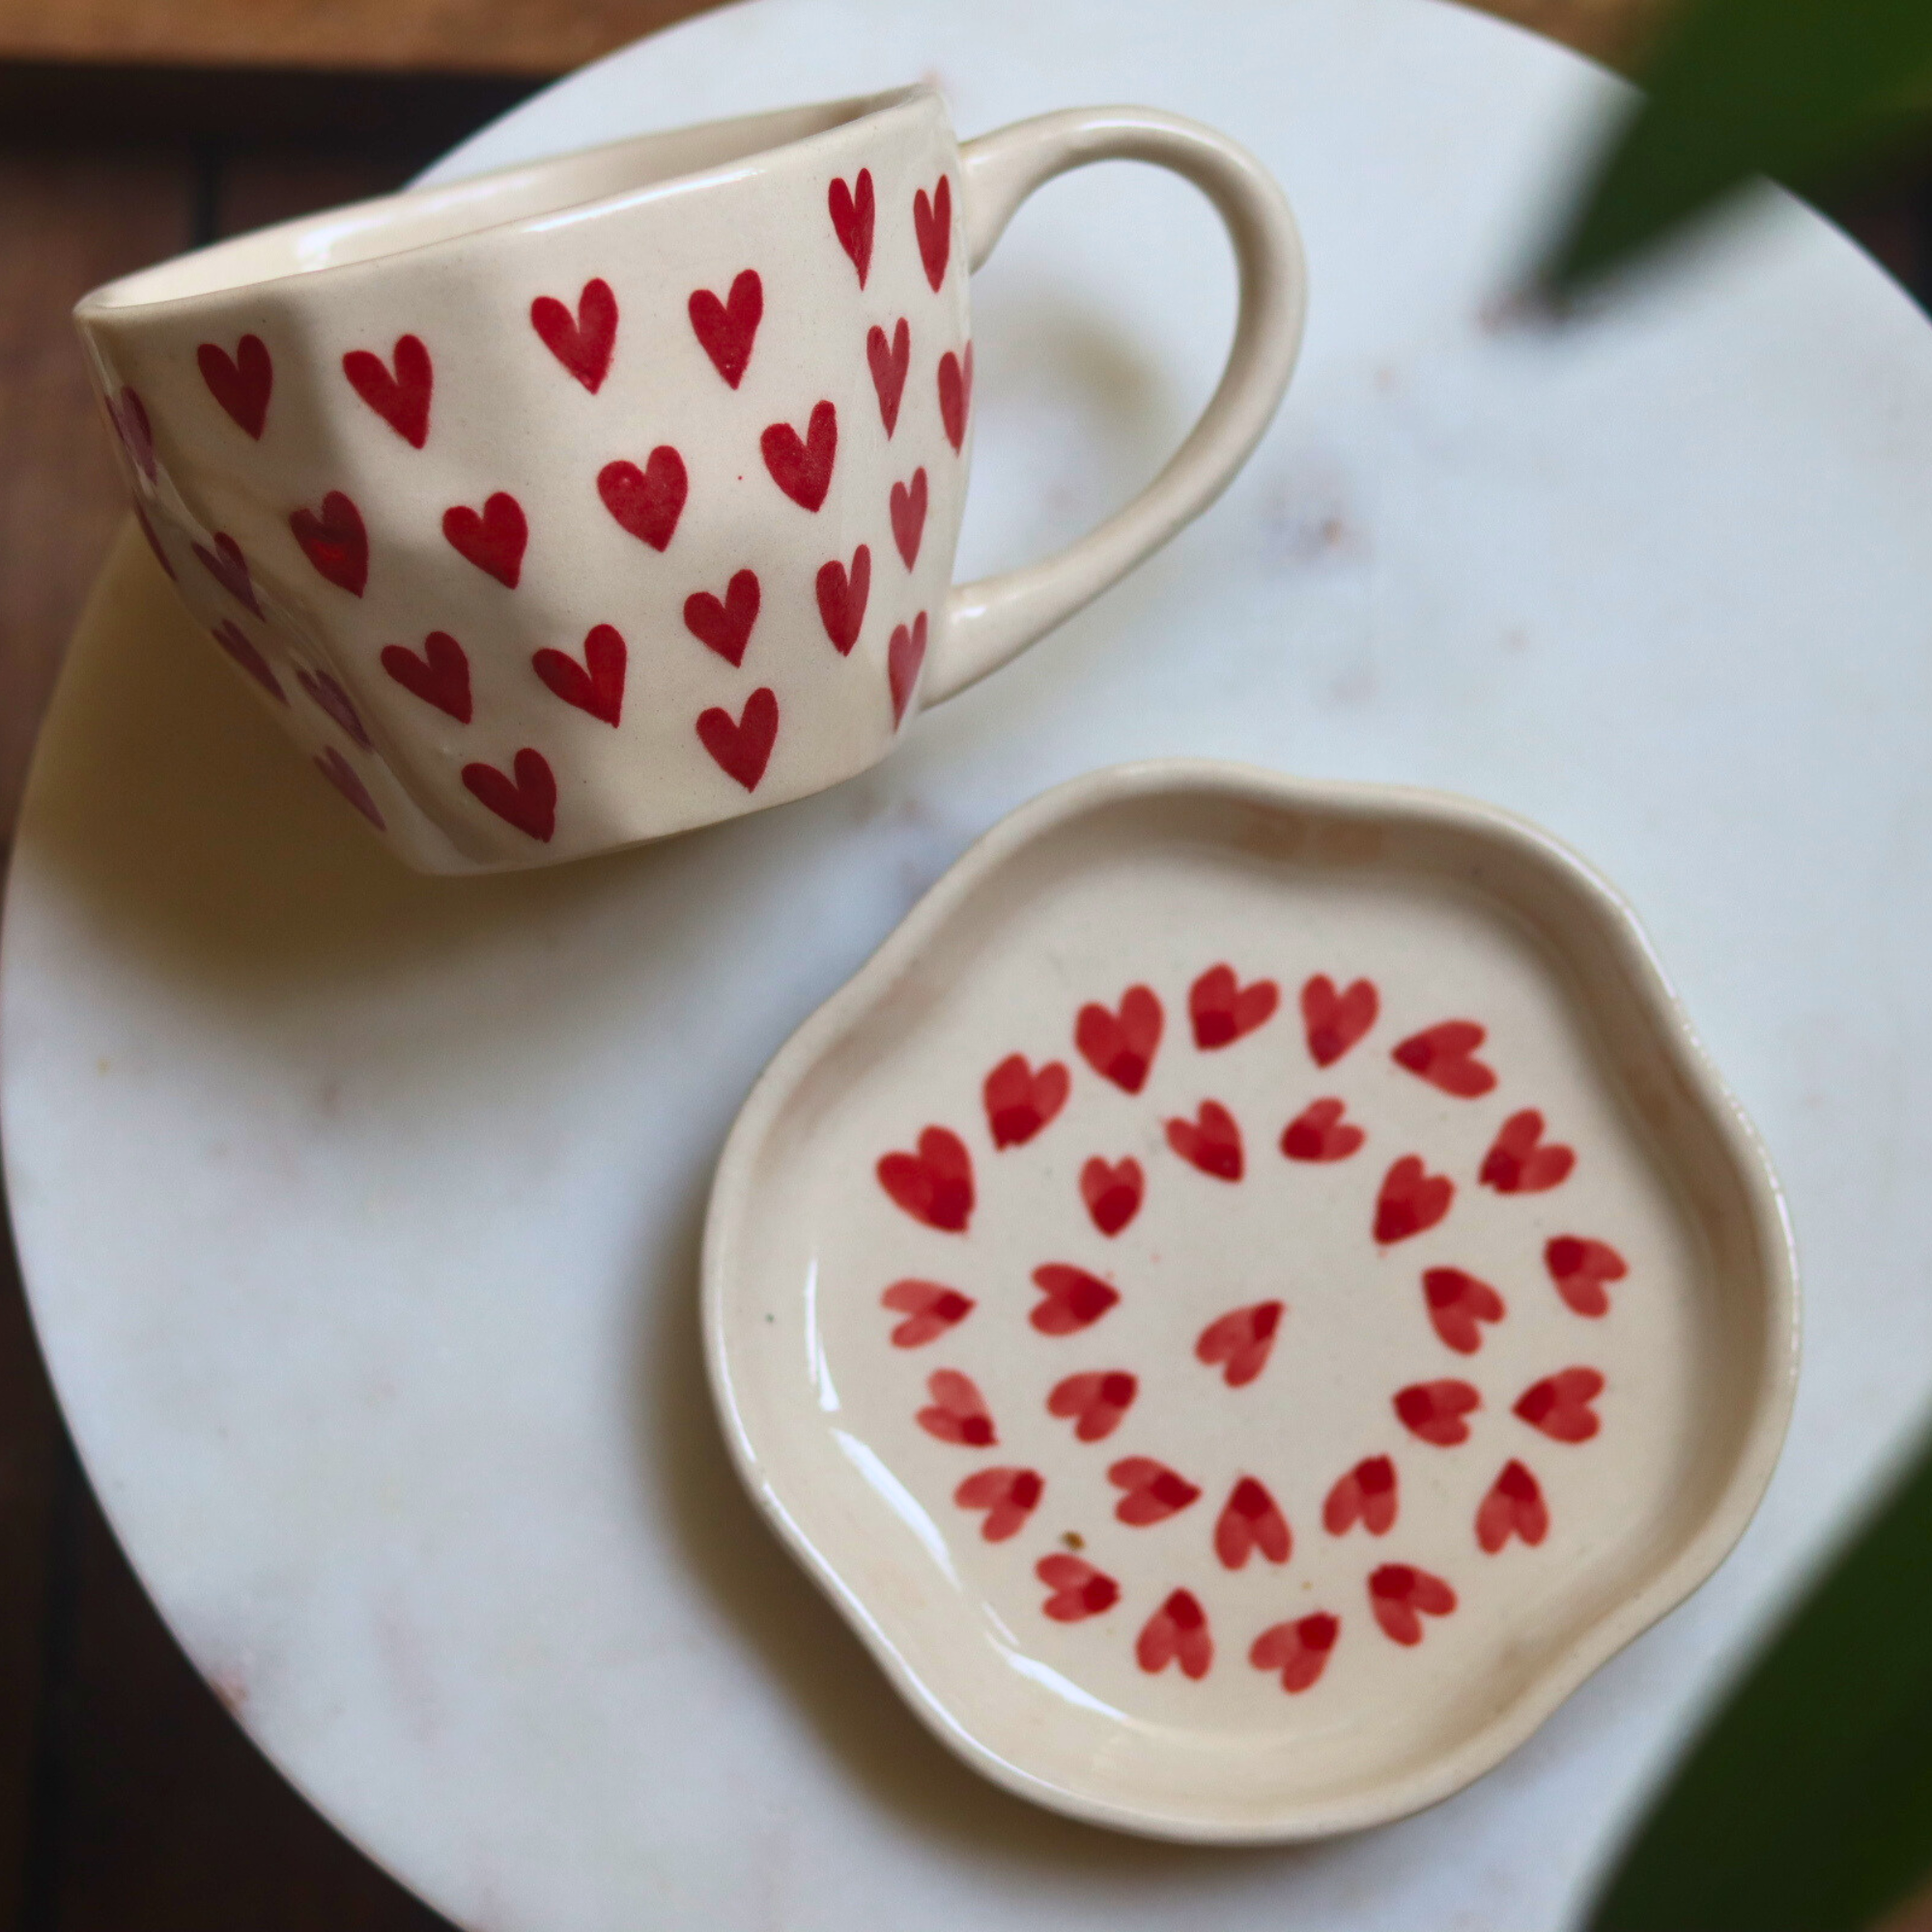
1240,1342
329,697
130,416
742,747
229,568
646,502
1298,1650
1367,1495
1434,1411
932,222
1412,1201
334,541
889,362
1094,1402
528,800
1177,1631
1074,1298
727,328
153,541
1250,1520
935,1184
1079,1590
905,654
1579,1268
1113,1192
852,211
493,541
240,647
584,342
1120,1046
1211,1142
1513,1507
930,1309
1456,1303
1020,1102
1319,1132
1521,1161
958,1412
242,382
1444,1056
909,517
1334,1021
440,676
1009,1497
1222,1009
843,596
1559,1405
597,684
402,398
801,466
725,627
1401,1596
956,395
344,777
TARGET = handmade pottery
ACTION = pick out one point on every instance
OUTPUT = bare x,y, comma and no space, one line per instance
595,499
1248,1297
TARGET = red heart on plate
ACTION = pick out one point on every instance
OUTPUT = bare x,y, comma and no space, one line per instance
932,222
903,657
935,1184
235,641
1520,1161
581,342
1434,1411
343,776
1242,1339
1094,1402
1222,1009
1559,1405
1443,1055
1176,1632
852,213
1579,1268
1074,1298
1335,1021
646,502
1020,1102
1009,1497
1079,1590
909,516
242,382
929,1307
958,1412
1298,1650
889,362
1401,1596
324,691
130,417
440,676
1513,1507
725,627
1112,1192
727,328
229,568
494,540
841,598
1211,1142
334,541
1250,1521
528,801
1154,1491
1366,1494
1412,1201
741,747
1120,1046
801,466
1319,1132
956,395
402,399
1456,1303
597,684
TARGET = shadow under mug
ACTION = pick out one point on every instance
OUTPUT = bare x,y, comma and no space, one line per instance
593,501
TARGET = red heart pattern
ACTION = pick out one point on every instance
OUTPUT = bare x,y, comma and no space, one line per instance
932,222
646,502
959,1411
1521,1161
841,599
527,800
852,211
493,539
1412,1201
439,676
725,626
329,697
800,466
727,330
935,1184
1210,1141
153,541
229,568
1009,1497
1559,1405
1178,1631
334,541
240,647
955,396
1079,1590
1019,1102
1319,1133
1154,1491
1333,1022
1368,1494
905,654
129,414
344,777
1513,1507
908,506
584,342
1251,1521
597,684
400,397
1074,1298
741,747
930,1309
1113,1191
1094,1402
1401,1596
1121,1045
889,362
1434,1411
242,382
1223,1010
1298,1650
1579,1268
1457,1304
1240,1342
1444,1056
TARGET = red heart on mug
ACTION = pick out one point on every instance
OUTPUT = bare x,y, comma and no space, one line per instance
741,747
1009,1497
1520,1161
1335,1021
528,800
1434,1411
1177,1631
335,542
727,328
149,531
1079,1590
401,399
494,540
852,211
1513,1507
1444,1056
1319,1132
931,1308
583,342
240,647
1120,1046
889,362
1250,1521
1457,1302
1094,1401
932,222
1401,1596
904,655
440,676
958,1412
1020,1102
343,776
909,516
229,568
1074,1298
1240,1342
646,502
1579,1268
1112,1192
1298,1650
956,395
1210,1141
1559,1405
242,382
130,417
329,696
1367,1495
725,627
841,598
1154,1491
1222,1009
801,466
597,684
1412,1201
935,1184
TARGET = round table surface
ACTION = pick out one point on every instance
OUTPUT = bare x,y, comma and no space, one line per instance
359,1212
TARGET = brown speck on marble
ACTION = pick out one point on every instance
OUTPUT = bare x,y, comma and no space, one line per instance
1074,1540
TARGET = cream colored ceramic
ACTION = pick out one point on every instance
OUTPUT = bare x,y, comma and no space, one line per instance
1248,1297
602,498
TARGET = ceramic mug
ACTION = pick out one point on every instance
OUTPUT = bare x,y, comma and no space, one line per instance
591,500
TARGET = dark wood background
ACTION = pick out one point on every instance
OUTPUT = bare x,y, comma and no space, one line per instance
127,1798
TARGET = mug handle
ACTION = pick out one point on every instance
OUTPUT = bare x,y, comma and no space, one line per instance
994,620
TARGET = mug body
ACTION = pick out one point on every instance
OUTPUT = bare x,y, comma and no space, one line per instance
580,503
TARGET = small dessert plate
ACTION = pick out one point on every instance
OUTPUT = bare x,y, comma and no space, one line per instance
1248,1297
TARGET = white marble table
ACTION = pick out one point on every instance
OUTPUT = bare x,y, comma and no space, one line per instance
359,1211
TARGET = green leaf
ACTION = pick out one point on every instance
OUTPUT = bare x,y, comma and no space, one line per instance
1806,1805
1804,89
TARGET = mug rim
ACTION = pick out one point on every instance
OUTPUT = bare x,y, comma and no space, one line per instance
125,298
